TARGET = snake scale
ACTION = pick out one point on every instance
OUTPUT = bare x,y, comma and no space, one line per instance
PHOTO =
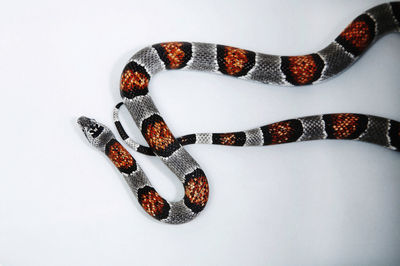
352,42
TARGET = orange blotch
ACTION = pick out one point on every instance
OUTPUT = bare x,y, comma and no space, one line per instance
119,156
358,34
280,132
235,60
227,139
174,53
302,68
344,125
133,80
159,136
197,191
152,202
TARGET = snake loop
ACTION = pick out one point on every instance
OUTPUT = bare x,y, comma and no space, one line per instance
300,70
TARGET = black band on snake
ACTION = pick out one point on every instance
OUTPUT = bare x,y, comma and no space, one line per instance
270,69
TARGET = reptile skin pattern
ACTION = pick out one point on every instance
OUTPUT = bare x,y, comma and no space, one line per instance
300,70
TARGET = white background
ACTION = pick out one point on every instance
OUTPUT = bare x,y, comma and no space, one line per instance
315,203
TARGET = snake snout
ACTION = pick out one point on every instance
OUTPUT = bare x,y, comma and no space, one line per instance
83,121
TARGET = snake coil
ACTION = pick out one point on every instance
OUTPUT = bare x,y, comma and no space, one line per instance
352,42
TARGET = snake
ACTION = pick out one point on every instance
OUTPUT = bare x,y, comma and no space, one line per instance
299,70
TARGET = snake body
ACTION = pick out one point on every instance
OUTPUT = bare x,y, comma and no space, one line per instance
269,69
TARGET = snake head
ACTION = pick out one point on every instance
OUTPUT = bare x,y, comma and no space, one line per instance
96,133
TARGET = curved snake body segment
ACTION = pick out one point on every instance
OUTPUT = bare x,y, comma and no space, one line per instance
236,62
342,126
195,183
271,69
